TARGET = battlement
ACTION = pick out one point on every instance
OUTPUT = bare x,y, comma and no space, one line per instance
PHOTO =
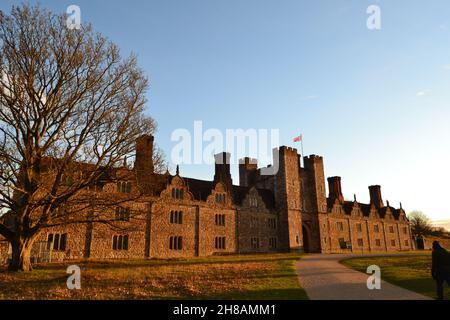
313,157
248,161
288,150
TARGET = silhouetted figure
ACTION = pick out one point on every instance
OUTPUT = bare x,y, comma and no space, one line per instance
440,268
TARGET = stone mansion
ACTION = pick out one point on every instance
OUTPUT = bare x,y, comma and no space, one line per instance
186,217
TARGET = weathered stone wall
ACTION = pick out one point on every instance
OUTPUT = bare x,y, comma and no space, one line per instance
372,240
299,217
288,199
255,221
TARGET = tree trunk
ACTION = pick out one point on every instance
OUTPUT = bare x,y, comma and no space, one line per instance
21,249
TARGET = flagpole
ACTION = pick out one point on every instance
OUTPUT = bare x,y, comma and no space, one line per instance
297,139
303,155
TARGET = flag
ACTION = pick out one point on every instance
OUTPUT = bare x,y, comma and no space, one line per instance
299,138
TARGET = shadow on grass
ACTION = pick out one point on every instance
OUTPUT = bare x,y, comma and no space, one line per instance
409,272
154,263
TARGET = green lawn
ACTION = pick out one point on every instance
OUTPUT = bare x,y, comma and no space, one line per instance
410,272
227,277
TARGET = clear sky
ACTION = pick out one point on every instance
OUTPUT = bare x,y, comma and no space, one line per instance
375,104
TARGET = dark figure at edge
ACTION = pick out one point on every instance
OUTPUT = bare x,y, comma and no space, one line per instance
440,268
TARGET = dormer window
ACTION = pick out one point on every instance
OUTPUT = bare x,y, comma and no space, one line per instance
220,198
177,193
253,202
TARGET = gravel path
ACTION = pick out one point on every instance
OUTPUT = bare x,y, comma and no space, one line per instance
324,278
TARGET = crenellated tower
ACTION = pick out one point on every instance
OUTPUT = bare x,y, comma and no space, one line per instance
314,201
287,194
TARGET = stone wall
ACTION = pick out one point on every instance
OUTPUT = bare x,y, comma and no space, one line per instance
362,234
288,211
257,226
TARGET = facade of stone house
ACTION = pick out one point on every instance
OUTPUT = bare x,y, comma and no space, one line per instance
177,216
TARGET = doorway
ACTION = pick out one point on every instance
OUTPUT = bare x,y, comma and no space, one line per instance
306,238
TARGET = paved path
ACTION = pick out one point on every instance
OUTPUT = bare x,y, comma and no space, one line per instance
324,278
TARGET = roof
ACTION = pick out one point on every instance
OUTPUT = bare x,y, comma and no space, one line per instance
365,208
201,189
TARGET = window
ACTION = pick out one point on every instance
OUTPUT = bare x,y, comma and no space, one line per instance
405,230
272,243
393,243
342,243
177,193
124,186
122,214
220,198
57,241
272,223
176,243
376,228
378,242
360,242
220,220
253,202
297,239
406,243
359,227
176,217
255,243
253,222
340,226
324,240
220,243
391,229
120,242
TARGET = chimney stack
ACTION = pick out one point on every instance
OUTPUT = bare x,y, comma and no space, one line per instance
335,190
248,169
222,169
144,154
375,196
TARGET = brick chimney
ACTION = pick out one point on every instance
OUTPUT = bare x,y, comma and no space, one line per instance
335,190
222,169
248,169
375,196
143,163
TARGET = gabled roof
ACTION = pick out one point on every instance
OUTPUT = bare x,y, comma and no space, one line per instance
365,208
348,207
200,189
239,194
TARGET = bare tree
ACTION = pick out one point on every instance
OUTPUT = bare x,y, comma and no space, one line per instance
71,109
420,223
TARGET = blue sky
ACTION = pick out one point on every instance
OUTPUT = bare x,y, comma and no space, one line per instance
375,104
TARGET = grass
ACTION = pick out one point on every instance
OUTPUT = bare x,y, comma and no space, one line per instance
227,277
410,272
